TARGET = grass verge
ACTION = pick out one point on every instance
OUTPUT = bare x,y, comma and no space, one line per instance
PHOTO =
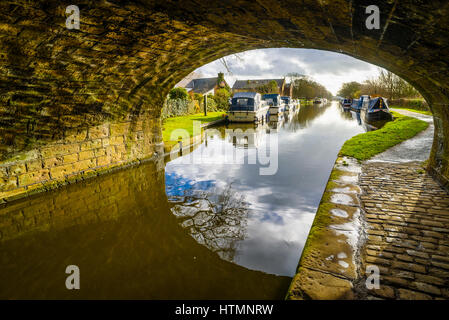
366,145
186,122
413,110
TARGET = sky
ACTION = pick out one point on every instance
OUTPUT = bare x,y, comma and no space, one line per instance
328,68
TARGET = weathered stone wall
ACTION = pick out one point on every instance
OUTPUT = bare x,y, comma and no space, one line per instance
128,55
106,198
81,154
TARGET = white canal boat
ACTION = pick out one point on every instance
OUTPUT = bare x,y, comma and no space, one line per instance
277,105
247,107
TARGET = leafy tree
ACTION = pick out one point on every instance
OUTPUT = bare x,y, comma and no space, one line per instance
221,83
309,89
198,97
211,103
350,89
221,97
178,93
270,87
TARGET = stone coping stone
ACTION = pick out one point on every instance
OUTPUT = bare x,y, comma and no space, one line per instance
329,261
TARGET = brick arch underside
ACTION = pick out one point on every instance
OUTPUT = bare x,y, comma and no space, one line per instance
75,101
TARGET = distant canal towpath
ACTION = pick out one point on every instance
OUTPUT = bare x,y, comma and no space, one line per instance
414,149
381,230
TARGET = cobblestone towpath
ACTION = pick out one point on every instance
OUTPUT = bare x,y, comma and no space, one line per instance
386,215
407,231
406,222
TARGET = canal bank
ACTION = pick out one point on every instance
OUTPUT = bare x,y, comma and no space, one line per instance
329,264
390,216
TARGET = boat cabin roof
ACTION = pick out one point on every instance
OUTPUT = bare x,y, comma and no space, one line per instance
270,95
252,95
275,97
377,102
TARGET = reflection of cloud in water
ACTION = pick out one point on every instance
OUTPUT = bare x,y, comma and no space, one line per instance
272,217
178,186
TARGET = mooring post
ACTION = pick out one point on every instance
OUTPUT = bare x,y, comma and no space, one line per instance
180,147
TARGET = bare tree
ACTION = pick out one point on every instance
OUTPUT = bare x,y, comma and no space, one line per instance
225,61
389,85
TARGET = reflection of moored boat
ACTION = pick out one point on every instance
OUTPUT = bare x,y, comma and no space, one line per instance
375,109
247,107
274,125
291,105
277,117
368,125
245,135
317,101
346,104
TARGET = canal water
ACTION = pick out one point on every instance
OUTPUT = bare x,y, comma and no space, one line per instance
226,221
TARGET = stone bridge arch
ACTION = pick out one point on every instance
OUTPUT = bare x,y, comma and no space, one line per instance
76,102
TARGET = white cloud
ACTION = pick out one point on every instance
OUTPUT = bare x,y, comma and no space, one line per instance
329,68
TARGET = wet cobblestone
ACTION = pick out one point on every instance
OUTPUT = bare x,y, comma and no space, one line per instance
407,231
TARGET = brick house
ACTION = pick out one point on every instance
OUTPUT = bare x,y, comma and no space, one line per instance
253,85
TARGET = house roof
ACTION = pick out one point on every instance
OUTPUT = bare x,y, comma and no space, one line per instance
253,84
202,85
184,82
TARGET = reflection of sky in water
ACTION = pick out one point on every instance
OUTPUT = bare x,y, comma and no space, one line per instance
177,185
281,206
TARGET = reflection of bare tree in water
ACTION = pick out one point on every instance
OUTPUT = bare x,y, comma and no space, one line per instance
216,219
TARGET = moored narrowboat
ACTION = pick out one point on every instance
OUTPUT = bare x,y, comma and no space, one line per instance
356,105
247,107
346,104
375,109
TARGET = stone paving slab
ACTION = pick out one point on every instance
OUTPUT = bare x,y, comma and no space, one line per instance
407,227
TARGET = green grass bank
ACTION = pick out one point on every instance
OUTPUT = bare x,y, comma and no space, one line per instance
186,122
366,145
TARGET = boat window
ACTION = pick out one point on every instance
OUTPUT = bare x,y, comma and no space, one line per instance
271,99
242,104
271,102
